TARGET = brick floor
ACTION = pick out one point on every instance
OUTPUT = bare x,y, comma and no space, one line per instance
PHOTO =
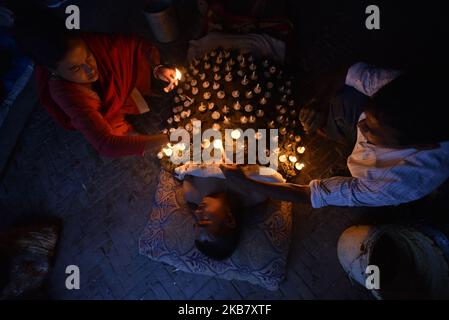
104,205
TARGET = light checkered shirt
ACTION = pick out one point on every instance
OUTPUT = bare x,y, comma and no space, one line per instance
381,176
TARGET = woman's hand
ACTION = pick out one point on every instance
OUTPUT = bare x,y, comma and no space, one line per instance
168,75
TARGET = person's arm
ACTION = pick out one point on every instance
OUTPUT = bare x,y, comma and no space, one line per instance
369,79
82,108
238,180
280,191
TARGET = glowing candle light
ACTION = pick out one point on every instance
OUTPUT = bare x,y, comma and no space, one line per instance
221,94
235,134
252,119
160,155
206,143
202,107
298,139
178,74
216,86
293,159
235,93
206,84
260,113
301,150
237,106
217,77
226,120
254,76
283,158
258,135
299,166
218,144
216,115
257,89
168,152
245,80
228,77
216,127
243,119
225,109
181,146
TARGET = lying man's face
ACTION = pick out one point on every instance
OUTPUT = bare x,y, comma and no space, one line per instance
214,217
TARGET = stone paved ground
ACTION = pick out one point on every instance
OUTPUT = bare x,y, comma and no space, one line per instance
104,204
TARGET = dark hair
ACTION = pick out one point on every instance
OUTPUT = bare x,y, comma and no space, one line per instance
42,36
225,242
413,105
221,248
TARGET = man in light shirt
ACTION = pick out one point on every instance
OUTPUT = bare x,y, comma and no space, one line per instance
401,151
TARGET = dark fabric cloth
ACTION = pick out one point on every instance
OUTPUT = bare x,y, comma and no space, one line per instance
345,110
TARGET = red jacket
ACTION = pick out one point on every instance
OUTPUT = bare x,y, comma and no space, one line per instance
124,62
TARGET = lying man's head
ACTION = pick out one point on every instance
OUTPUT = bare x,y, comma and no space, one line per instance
216,230
408,112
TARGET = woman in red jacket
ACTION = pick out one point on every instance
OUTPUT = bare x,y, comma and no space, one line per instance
93,82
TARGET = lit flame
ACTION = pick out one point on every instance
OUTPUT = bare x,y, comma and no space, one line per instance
218,144
235,134
178,75
299,166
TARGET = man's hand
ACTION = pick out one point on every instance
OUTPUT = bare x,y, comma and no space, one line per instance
236,178
168,75
311,117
